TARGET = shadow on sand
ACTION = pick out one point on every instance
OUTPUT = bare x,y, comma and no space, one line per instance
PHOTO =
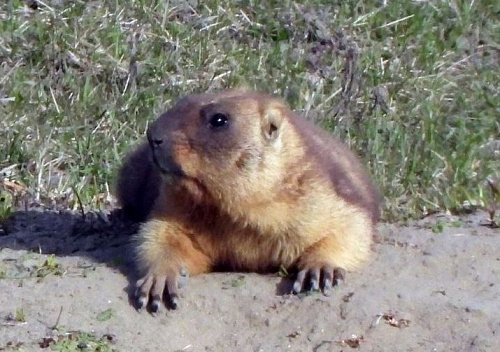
103,238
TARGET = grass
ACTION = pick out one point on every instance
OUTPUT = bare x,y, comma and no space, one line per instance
411,86
20,316
31,265
50,267
78,341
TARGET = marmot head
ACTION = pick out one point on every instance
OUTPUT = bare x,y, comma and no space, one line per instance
229,143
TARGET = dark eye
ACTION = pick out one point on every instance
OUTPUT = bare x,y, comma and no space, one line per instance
218,120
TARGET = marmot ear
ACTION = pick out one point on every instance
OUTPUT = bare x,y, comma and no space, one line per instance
272,122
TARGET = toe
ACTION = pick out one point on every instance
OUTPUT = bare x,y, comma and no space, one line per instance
327,273
314,278
338,275
143,287
173,292
157,294
299,281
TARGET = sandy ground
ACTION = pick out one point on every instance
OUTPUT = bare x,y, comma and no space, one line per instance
421,291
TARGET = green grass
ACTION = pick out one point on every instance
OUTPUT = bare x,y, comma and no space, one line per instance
411,86
50,267
78,341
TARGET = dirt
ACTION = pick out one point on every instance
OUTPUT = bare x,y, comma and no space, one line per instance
431,286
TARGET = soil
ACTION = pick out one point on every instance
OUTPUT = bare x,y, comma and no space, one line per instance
429,286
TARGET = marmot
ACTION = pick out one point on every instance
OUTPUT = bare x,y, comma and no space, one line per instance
236,180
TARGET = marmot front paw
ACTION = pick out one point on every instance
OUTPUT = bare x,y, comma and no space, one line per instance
322,277
154,287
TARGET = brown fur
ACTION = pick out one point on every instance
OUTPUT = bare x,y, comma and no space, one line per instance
137,186
269,189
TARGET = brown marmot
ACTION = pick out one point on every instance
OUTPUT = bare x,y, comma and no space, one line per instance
236,180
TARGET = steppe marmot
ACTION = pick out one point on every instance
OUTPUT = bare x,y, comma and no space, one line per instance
236,180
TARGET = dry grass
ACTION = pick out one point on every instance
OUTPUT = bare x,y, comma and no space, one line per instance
412,86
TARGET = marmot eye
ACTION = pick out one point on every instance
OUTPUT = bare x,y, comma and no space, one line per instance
218,120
